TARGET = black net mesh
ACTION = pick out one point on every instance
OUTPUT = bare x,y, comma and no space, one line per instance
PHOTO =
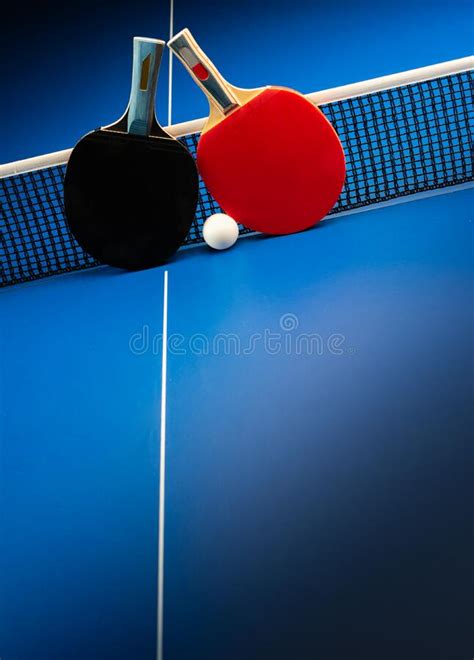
398,142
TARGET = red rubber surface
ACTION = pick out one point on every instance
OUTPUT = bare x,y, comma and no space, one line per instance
276,165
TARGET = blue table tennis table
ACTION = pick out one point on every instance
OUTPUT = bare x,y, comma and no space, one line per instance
318,443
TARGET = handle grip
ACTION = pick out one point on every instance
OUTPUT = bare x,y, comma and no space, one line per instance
147,55
203,71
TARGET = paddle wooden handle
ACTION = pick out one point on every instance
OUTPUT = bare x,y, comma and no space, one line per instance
203,71
146,65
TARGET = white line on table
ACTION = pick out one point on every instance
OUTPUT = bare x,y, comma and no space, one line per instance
161,496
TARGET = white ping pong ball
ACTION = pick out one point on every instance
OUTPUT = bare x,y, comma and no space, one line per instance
220,231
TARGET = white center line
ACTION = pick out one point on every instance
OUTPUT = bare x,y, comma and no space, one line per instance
161,496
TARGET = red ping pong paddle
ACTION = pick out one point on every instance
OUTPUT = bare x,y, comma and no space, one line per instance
268,156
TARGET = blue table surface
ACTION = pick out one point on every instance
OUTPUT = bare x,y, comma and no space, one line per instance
318,506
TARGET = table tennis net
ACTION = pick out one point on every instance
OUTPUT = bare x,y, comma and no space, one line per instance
400,141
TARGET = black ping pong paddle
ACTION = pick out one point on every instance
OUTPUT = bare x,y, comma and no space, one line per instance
131,190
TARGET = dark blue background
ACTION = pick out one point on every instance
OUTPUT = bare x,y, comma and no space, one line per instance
65,68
